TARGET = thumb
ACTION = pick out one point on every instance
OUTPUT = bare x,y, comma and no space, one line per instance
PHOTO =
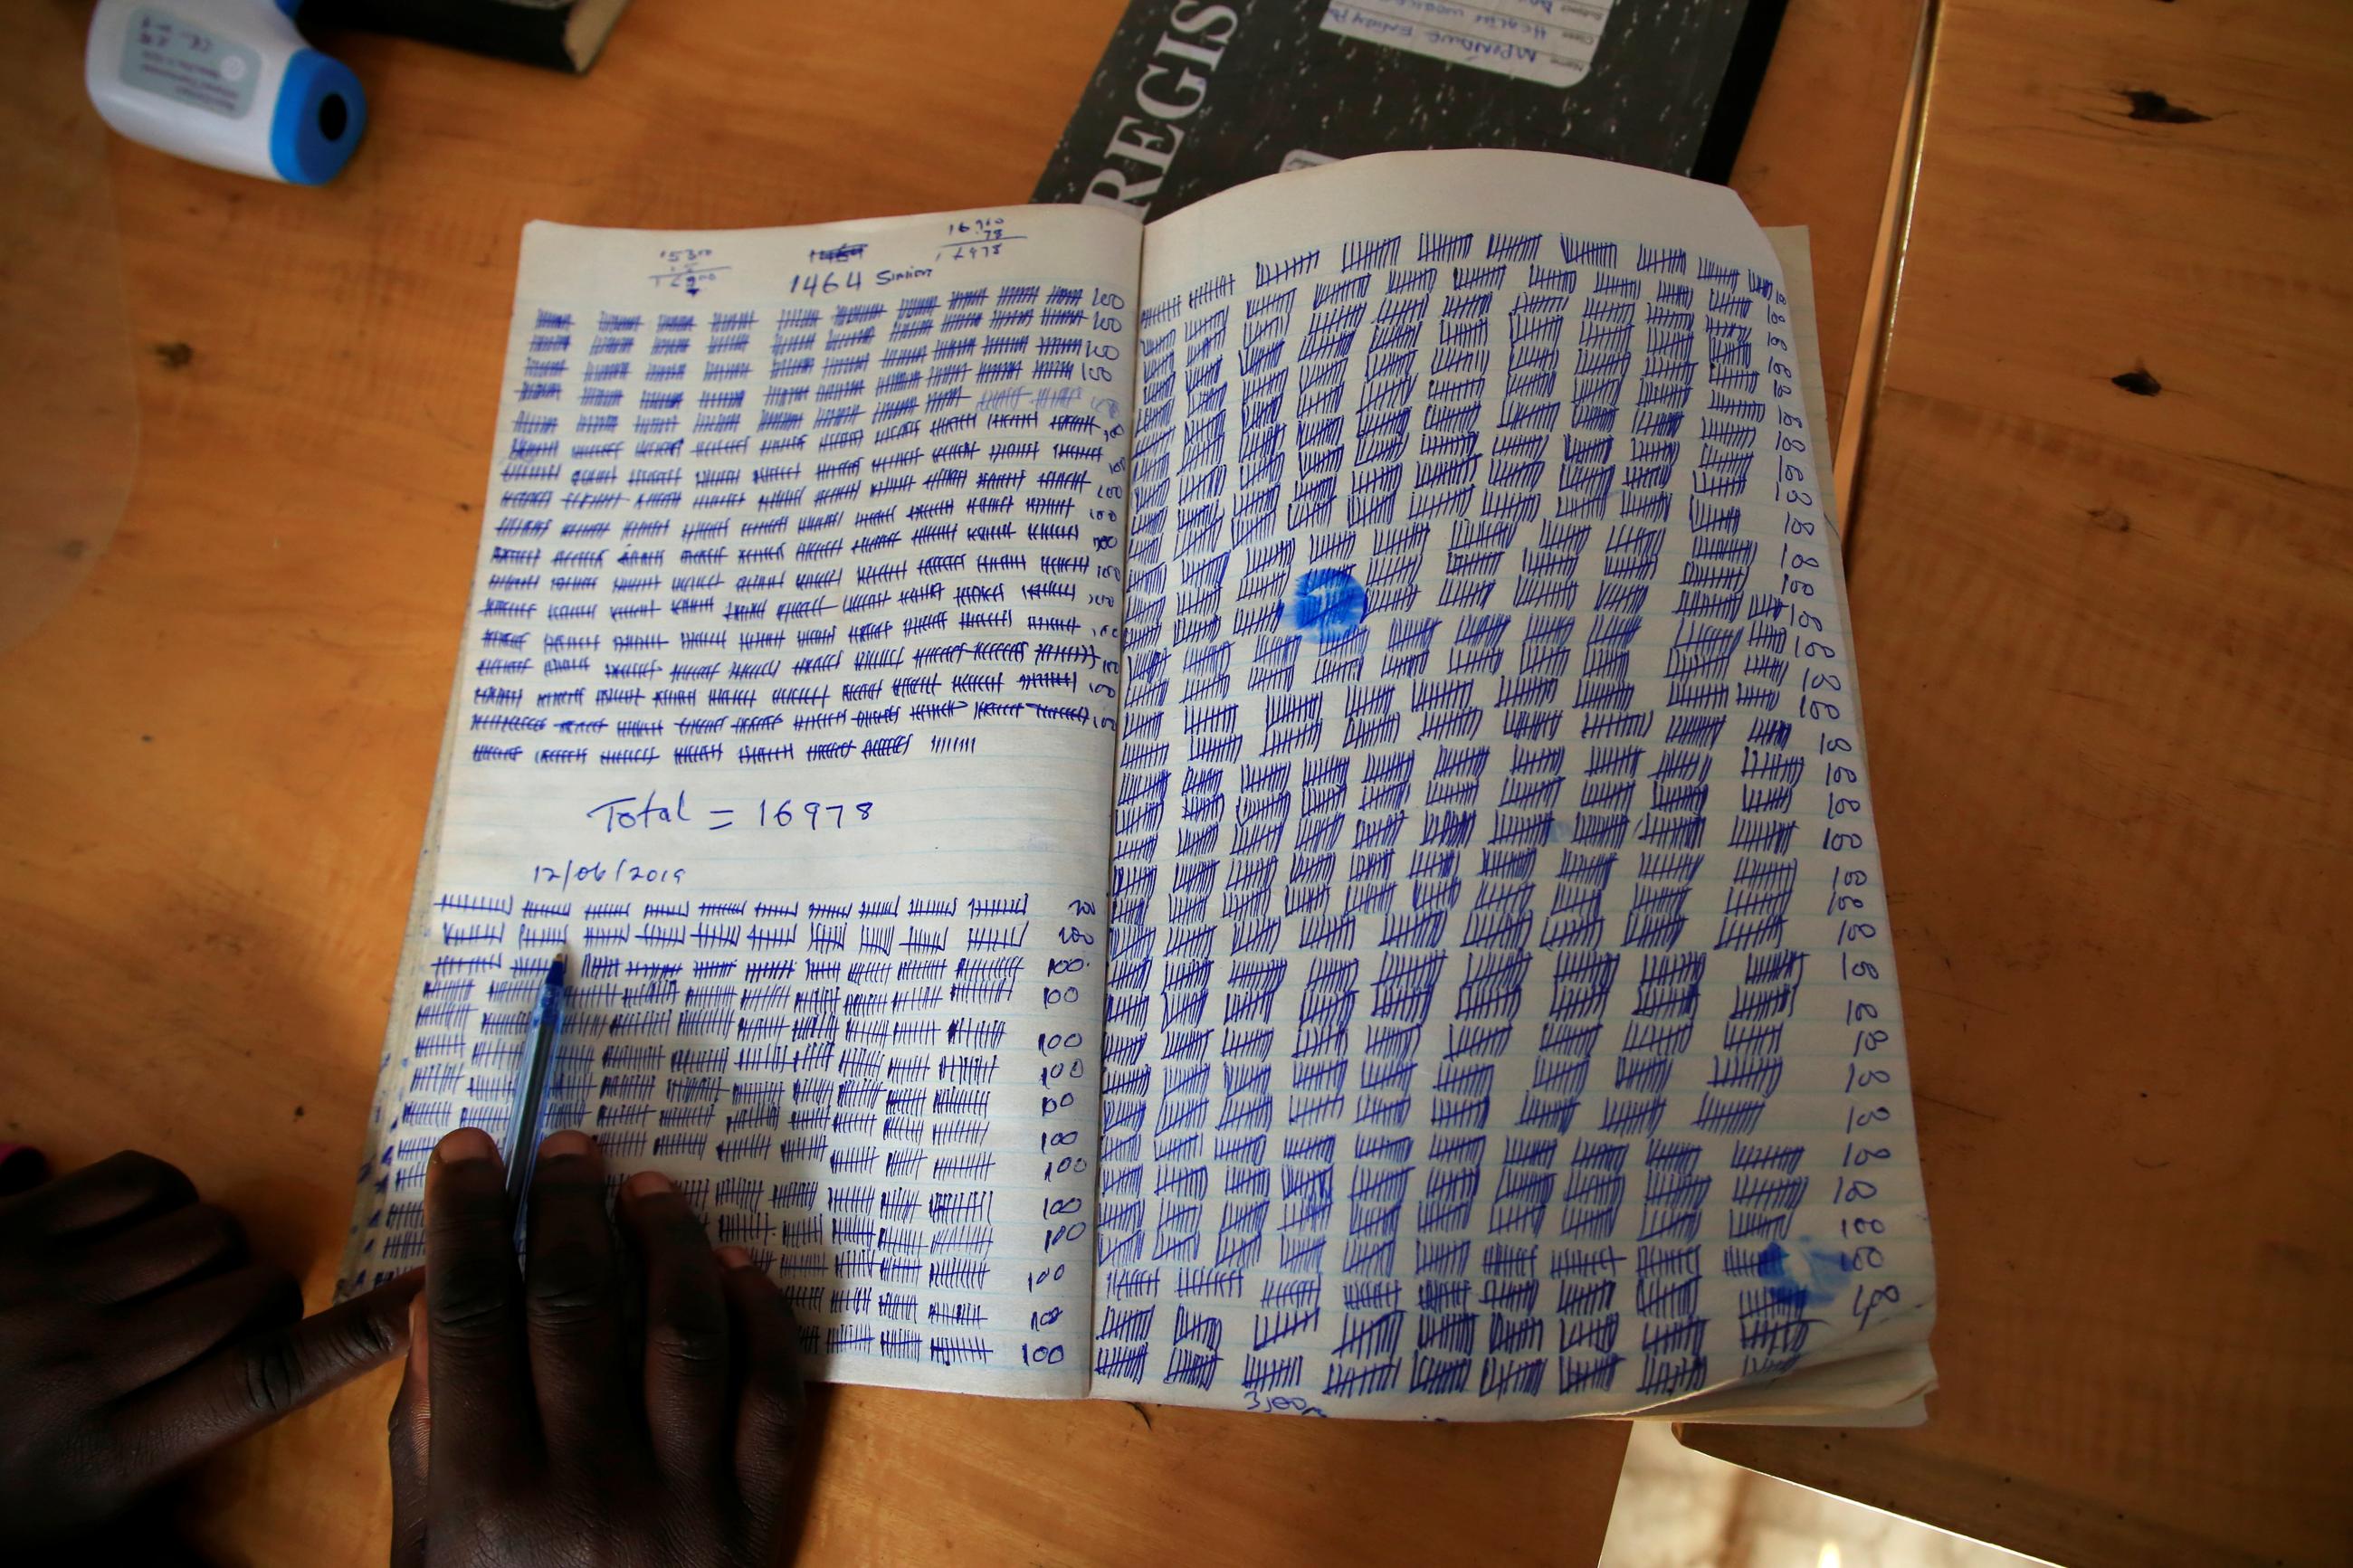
249,1383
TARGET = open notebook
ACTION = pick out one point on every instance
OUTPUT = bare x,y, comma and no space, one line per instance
1261,811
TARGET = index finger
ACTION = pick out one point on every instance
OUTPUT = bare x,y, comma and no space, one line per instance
479,1377
251,1382
121,1188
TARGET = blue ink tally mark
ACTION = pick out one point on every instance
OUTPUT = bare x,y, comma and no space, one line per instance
1328,604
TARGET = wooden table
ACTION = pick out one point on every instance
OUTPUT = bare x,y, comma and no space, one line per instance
220,746
2106,631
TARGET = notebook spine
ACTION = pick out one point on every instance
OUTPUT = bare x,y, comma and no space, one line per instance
531,32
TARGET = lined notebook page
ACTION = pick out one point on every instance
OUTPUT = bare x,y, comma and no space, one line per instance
1501,1020
785,709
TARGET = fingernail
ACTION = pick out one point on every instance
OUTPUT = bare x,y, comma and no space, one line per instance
464,1144
734,1258
558,1145
646,1185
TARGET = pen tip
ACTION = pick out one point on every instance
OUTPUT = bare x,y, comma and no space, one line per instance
556,970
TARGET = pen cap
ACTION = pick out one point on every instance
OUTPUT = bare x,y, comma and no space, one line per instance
225,82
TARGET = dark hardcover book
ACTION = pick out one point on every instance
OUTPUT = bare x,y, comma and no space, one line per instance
1193,97
562,35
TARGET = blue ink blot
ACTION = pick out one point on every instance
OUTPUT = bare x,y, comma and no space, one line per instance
1328,604
1773,1263
1825,1274
1829,1273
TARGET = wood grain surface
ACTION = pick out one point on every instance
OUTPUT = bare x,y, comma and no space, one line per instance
219,748
2105,637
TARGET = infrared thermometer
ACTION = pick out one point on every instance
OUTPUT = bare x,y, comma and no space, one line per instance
225,82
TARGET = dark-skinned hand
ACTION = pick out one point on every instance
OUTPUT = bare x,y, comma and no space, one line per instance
577,1411
136,1338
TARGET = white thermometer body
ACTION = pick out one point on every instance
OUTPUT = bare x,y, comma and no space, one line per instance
225,82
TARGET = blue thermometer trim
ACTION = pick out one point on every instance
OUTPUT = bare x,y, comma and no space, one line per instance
301,148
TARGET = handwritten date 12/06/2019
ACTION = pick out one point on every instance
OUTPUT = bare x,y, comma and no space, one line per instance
668,809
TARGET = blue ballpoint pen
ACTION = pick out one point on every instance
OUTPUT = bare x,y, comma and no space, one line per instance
531,1088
